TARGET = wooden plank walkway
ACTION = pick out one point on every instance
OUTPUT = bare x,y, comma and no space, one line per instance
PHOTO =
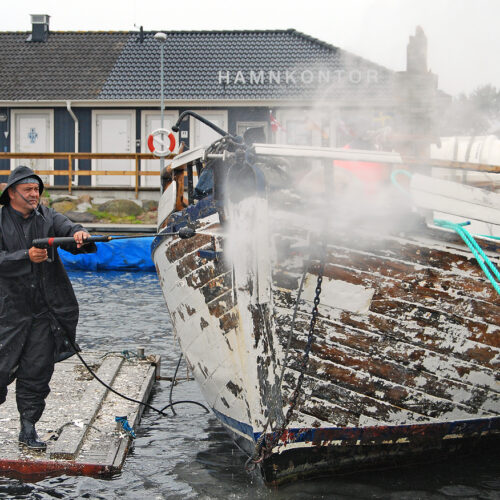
78,423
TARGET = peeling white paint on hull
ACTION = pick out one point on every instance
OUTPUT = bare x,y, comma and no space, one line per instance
405,350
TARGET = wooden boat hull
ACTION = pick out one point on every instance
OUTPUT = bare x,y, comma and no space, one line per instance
366,449
402,360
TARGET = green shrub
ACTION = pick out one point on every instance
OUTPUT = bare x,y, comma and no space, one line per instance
106,216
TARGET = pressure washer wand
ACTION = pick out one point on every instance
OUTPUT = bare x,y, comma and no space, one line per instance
184,233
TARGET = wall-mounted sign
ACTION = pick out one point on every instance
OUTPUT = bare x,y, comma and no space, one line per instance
297,77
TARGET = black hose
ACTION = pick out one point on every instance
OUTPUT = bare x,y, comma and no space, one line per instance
147,405
208,123
172,383
186,401
172,404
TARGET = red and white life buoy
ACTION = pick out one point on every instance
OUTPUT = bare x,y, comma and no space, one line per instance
157,136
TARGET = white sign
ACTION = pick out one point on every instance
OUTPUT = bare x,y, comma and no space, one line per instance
297,77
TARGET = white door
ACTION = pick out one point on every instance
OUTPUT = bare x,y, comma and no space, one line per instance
113,132
33,134
201,134
151,120
303,129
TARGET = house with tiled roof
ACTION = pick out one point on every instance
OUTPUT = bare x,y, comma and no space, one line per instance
101,91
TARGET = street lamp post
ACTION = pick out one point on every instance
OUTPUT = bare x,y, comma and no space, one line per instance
162,38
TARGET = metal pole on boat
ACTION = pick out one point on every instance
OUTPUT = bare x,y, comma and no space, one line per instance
162,38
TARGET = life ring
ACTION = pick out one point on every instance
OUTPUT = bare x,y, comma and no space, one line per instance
157,135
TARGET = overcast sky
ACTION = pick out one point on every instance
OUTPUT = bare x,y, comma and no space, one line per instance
463,35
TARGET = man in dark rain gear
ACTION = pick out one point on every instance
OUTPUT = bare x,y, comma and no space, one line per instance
38,308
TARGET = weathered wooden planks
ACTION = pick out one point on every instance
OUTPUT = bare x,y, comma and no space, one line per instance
79,419
427,348
401,362
70,440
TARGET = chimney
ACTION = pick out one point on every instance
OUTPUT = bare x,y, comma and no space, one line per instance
40,28
416,52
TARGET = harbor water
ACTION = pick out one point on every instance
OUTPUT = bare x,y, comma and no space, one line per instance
189,455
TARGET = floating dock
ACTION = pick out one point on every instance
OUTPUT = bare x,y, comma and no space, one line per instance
83,437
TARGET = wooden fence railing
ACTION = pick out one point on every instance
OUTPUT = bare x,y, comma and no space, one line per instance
70,157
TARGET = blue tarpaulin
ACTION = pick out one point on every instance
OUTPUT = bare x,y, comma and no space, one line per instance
116,255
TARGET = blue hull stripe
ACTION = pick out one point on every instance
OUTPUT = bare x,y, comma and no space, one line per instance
235,424
376,434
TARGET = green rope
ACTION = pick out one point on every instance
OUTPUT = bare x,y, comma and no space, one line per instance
481,257
395,183
476,250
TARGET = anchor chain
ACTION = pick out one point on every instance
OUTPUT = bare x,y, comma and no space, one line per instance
262,450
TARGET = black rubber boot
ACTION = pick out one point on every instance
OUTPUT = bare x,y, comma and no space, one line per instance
28,436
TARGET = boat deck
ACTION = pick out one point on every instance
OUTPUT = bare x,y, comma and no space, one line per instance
78,423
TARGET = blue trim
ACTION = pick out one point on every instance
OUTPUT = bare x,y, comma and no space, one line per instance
64,140
235,424
379,434
209,254
374,434
84,116
189,215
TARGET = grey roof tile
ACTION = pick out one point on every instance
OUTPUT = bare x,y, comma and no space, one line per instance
119,66
70,65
